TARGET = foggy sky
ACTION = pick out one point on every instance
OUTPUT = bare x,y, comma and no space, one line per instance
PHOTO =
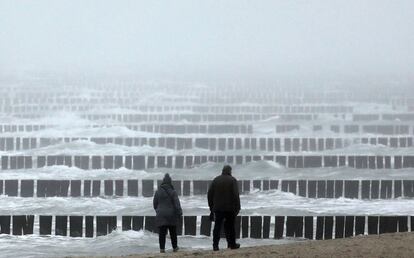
232,39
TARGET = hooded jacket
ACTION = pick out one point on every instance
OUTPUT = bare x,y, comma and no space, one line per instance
166,204
223,194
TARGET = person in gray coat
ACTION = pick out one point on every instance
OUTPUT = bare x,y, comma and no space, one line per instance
168,212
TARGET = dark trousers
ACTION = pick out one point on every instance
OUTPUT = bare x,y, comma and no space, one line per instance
162,233
229,220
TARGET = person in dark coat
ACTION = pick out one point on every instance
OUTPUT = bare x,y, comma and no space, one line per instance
224,202
168,212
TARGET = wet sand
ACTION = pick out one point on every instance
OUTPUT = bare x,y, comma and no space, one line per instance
386,245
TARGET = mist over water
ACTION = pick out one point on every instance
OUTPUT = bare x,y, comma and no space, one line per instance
232,41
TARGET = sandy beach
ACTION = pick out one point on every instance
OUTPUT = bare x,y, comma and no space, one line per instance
387,245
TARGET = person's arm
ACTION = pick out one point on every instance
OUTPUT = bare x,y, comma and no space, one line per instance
236,195
177,204
210,196
155,200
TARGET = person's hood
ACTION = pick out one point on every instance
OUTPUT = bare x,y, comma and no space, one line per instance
226,173
167,180
167,183
226,170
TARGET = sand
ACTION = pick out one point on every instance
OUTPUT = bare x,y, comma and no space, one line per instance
386,245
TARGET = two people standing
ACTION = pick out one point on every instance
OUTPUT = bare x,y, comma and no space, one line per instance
223,201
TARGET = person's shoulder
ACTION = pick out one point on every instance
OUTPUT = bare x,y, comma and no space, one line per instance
215,181
173,191
216,178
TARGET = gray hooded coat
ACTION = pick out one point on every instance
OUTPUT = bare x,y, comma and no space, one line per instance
166,204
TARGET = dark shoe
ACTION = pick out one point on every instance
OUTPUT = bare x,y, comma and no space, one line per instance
235,246
162,251
215,248
176,249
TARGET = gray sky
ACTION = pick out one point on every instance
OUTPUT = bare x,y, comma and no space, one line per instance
232,39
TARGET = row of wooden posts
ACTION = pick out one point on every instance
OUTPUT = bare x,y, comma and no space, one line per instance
354,189
217,128
260,227
141,162
178,128
274,144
